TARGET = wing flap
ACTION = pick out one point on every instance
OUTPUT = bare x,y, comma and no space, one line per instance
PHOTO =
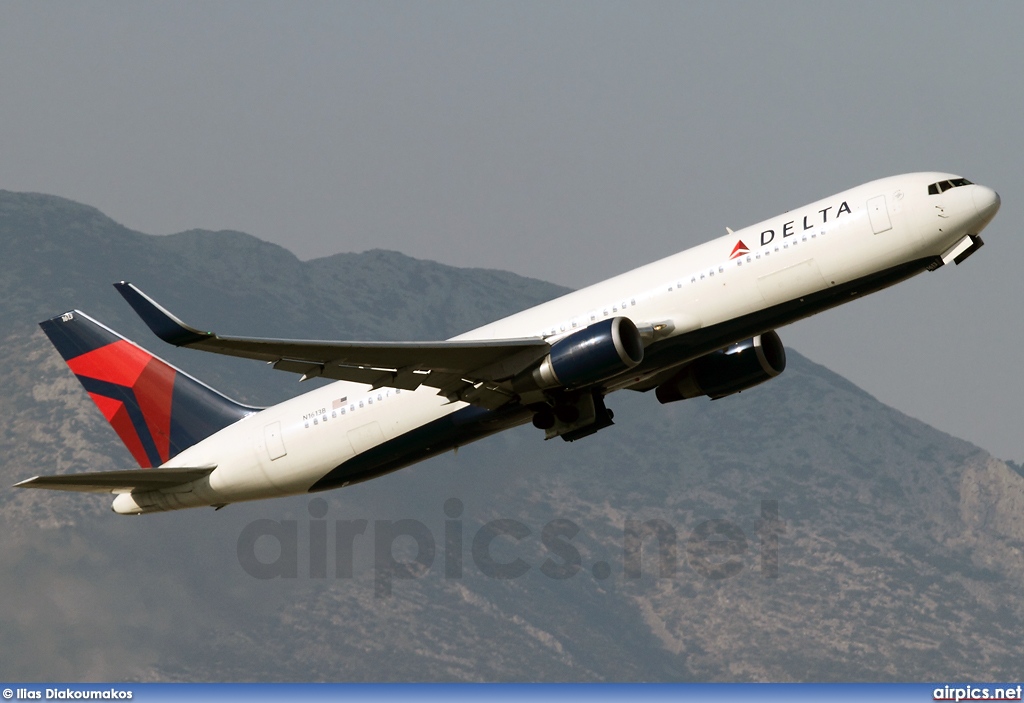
117,481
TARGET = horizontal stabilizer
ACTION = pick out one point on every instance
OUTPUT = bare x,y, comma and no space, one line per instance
117,481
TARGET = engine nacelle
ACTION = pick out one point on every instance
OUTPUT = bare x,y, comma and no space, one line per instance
589,356
736,368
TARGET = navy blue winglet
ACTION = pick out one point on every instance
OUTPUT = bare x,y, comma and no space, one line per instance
164,325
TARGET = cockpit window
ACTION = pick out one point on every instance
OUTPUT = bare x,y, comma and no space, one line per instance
943,186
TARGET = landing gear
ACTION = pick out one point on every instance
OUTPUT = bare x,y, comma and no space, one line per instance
572,416
544,419
567,414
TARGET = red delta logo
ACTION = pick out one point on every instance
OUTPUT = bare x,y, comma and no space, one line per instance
739,250
134,390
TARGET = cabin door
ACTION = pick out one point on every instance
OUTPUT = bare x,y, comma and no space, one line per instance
274,440
878,213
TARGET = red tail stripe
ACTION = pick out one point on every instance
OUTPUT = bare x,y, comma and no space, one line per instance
117,414
119,362
107,406
154,390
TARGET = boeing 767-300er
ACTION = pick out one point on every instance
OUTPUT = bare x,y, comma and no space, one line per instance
699,323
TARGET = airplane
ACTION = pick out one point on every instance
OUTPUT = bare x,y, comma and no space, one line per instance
699,323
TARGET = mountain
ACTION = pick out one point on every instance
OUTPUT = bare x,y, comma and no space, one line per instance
808,532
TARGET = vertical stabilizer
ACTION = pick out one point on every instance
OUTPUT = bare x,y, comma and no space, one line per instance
157,410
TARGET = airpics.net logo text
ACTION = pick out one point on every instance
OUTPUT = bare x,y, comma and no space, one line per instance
501,549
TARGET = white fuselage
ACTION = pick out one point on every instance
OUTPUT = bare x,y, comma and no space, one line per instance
287,448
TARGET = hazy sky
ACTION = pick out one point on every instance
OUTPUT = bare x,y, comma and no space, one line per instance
565,141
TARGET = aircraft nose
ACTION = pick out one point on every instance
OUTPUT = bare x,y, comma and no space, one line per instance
986,202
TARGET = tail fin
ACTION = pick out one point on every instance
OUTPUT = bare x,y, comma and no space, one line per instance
157,410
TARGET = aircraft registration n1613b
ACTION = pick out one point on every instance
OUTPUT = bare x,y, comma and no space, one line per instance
699,323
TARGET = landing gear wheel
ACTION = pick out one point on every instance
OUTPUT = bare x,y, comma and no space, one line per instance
567,413
544,419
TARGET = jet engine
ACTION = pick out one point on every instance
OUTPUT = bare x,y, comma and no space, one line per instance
736,368
589,356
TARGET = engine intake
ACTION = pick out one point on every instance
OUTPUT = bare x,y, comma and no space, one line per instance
736,368
589,356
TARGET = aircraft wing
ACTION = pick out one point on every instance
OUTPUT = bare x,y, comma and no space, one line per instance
117,481
468,370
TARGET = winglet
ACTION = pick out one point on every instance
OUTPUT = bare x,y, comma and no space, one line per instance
164,324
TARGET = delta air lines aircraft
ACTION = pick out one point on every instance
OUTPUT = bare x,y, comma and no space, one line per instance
699,323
